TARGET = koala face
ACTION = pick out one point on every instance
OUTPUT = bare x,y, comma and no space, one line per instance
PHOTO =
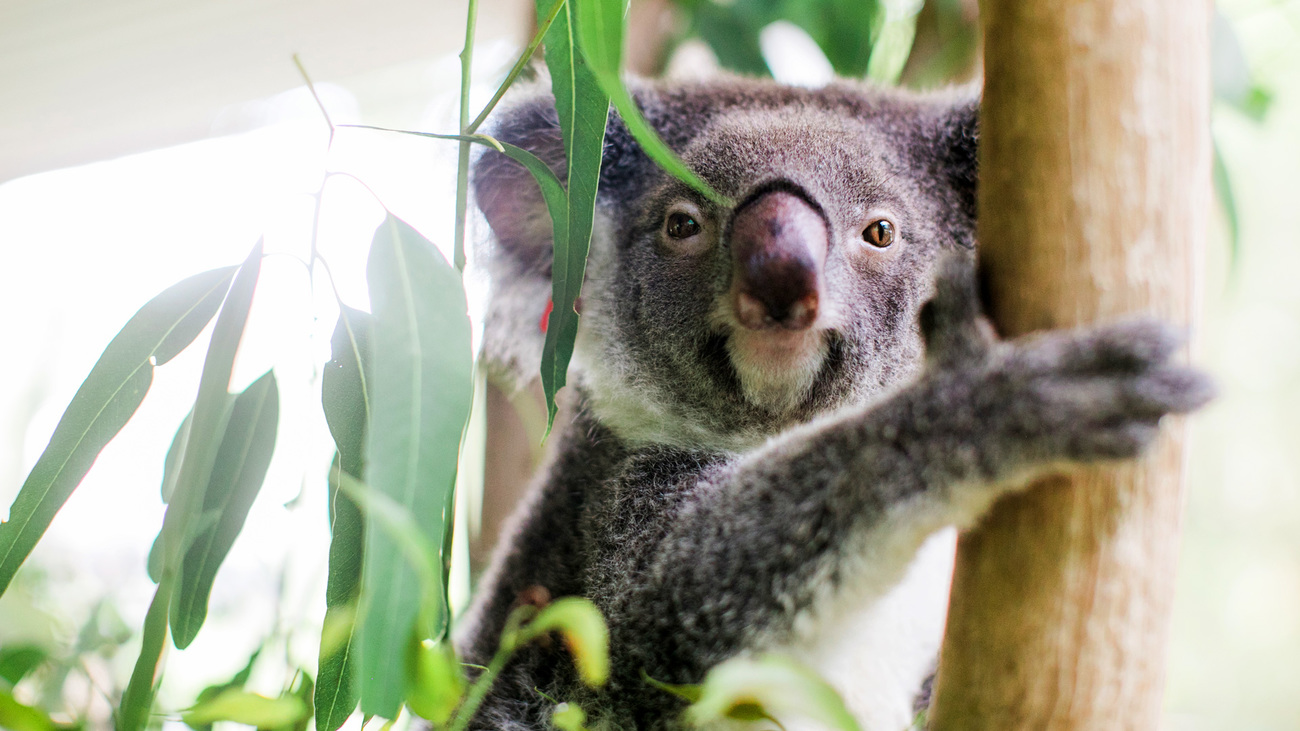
721,325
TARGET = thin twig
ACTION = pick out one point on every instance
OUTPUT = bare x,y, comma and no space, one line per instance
519,66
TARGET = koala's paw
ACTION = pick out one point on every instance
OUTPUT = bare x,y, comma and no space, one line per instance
1089,395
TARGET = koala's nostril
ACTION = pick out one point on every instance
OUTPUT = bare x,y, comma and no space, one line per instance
778,244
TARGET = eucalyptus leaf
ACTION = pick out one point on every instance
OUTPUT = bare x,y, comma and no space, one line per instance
103,404
16,716
768,686
583,110
583,628
346,402
421,389
600,35
237,476
250,709
437,681
184,513
16,661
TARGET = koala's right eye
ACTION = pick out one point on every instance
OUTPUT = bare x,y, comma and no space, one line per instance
681,225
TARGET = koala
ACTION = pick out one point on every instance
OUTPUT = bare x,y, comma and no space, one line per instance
782,407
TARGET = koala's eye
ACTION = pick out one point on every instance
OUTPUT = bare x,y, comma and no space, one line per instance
681,225
879,234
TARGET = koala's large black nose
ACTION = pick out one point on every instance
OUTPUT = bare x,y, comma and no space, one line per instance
778,247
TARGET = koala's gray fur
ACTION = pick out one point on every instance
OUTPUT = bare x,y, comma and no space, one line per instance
712,507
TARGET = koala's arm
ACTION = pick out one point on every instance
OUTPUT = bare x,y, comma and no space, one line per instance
844,503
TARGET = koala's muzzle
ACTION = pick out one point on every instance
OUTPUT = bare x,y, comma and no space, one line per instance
778,246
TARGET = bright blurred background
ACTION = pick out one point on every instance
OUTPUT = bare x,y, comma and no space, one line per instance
142,141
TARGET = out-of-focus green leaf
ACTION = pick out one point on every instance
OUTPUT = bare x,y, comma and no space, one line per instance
583,109
16,661
15,716
891,46
732,32
346,402
420,393
437,681
689,693
103,404
768,686
236,682
247,708
569,717
1234,83
583,628
600,35
237,476
1223,188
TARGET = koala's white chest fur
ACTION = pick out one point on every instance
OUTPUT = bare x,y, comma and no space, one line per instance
878,656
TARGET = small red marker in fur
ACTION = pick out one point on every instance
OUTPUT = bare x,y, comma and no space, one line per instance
546,316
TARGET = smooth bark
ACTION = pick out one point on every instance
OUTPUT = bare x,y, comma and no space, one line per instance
1094,193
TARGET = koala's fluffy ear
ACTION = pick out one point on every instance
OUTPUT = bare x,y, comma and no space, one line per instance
958,153
507,194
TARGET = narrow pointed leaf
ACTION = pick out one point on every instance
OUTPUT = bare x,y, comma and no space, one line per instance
175,454
133,714
210,412
101,407
421,389
237,476
347,411
583,109
600,35
184,516
251,709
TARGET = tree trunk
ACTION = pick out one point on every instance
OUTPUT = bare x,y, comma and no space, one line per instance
1094,178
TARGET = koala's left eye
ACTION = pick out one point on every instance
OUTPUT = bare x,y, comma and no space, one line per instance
681,226
879,234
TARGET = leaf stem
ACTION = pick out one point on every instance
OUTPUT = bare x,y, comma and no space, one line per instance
462,160
519,66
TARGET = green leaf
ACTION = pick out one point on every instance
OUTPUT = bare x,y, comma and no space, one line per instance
250,709
583,109
600,35
103,404
421,388
437,681
210,412
185,516
15,716
569,717
344,393
583,628
690,692
1223,188
346,402
768,686
175,454
133,714
17,661
237,476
